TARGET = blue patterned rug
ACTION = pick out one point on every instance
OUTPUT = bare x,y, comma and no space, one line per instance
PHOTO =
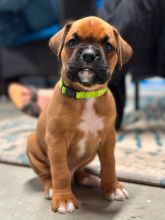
140,149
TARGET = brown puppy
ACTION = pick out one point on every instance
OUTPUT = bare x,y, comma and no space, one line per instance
79,121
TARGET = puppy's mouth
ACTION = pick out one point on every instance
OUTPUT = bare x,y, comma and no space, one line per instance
86,76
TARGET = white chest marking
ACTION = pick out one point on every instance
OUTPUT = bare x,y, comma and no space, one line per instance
90,123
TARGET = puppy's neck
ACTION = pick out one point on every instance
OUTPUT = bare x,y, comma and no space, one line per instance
78,94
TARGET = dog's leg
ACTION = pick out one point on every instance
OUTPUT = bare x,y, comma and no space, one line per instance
84,178
63,200
112,189
40,166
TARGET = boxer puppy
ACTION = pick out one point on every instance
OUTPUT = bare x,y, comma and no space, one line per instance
78,124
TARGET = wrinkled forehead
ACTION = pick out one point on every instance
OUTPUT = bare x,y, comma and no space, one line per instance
93,29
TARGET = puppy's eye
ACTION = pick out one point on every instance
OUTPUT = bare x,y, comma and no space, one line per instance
72,43
108,46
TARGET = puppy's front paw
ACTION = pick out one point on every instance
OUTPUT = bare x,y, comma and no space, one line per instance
64,203
119,194
116,192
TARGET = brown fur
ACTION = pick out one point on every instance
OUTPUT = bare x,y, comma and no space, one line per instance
53,147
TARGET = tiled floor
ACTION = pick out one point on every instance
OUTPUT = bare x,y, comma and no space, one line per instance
21,196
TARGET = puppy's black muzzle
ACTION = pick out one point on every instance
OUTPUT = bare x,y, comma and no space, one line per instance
88,66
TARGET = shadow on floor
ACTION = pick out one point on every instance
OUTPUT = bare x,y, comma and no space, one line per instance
90,199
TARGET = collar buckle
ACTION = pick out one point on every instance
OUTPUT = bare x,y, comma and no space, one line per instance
70,92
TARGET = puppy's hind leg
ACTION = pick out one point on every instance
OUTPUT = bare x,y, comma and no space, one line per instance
84,178
39,163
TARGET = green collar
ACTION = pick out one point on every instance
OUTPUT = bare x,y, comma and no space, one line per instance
68,91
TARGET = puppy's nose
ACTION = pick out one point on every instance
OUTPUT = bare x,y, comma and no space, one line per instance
89,55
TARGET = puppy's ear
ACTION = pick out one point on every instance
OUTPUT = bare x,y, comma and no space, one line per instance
124,50
56,42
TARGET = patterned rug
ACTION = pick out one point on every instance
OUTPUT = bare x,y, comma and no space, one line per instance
140,148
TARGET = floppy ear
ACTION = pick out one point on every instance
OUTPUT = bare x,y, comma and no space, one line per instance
56,42
124,50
